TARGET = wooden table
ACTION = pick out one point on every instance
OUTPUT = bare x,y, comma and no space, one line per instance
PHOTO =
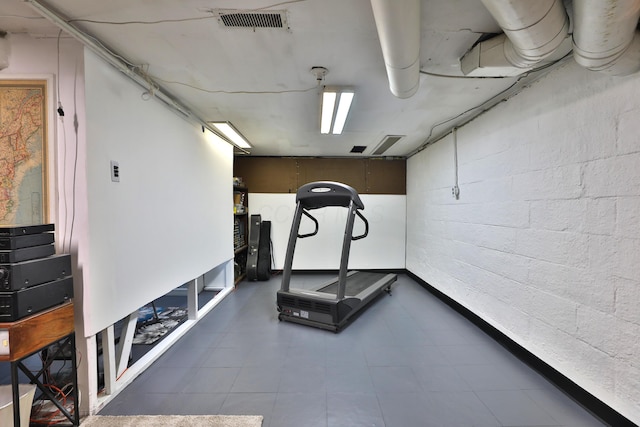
35,333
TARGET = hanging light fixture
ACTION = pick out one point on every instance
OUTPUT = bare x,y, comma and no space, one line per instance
336,104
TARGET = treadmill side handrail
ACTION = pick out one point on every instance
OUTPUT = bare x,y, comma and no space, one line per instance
315,221
366,227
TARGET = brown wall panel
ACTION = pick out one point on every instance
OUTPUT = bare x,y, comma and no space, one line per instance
286,174
347,171
267,174
386,176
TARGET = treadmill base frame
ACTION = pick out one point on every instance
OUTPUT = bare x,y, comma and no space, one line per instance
329,314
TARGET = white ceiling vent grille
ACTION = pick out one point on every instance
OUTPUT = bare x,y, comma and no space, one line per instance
386,143
239,18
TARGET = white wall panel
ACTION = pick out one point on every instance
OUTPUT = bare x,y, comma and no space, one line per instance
383,248
169,219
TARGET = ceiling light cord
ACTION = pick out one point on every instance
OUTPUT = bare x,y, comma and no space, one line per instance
232,92
161,21
448,76
170,21
22,17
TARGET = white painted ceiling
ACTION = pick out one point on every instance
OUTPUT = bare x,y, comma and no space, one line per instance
260,79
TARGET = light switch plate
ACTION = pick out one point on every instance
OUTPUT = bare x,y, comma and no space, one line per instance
115,171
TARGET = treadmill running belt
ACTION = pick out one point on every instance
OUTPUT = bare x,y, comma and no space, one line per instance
356,283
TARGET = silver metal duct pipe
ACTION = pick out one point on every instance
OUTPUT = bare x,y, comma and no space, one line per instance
605,37
535,29
398,24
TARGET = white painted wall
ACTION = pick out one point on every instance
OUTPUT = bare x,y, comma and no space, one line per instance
42,59
169,219
544,243
64,66
383,248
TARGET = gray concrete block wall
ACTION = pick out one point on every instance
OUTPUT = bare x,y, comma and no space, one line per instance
544,242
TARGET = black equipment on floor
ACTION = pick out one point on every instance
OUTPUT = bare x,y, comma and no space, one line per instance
259,257
264,251
332,305
254,242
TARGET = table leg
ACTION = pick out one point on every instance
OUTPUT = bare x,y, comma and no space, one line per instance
76,392
16,393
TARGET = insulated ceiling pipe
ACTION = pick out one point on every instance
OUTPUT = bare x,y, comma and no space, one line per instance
535,29
398,24
605,37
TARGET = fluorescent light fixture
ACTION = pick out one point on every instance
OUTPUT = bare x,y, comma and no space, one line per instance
328,104
344,105
328,122
232,133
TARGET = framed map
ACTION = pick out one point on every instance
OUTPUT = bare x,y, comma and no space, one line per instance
23,152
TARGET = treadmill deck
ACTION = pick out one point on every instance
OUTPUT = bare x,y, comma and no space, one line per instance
356,283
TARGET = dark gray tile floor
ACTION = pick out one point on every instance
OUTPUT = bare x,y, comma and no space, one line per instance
408,360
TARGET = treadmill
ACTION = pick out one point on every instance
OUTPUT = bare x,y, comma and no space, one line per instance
332,305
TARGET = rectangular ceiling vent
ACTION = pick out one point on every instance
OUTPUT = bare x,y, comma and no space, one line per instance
386,143
358,149
239,18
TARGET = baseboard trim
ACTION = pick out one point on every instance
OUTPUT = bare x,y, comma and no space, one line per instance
374,270
591,403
